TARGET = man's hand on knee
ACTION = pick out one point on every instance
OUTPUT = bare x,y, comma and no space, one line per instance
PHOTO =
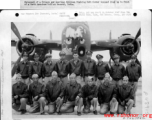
77,99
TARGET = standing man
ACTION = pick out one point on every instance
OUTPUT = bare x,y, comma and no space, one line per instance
125,97
23,69
117,70
19,94
36,68
89,66
75,66
62,68
36,95
54,93
89,94
101,69
48,68
133,71
71,95
107,96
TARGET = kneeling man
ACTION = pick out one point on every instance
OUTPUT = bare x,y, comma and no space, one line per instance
36,94
125,97
72,96
54,93
19,94
89,94
107,96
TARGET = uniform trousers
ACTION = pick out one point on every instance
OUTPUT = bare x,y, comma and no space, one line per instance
19,104
88,104
68,107
122,108
54,106
111,106
135,86
38,105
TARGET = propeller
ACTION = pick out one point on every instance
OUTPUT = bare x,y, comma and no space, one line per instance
137,35
24,46
16,32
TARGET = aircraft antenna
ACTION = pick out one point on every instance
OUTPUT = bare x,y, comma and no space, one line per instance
50,35
110,35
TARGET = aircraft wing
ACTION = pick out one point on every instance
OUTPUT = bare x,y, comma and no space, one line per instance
54,45
46,44
104,45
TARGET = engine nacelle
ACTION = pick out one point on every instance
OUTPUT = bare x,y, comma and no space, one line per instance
28,40
125,53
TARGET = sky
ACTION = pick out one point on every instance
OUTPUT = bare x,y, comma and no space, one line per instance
98,30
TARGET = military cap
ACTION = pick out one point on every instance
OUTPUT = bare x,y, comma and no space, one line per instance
36,55
62,53
48,55
25,54
98,56
116,56
89,52
133,57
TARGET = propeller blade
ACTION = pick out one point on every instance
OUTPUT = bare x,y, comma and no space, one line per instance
137,61
137,35
16,32
15,65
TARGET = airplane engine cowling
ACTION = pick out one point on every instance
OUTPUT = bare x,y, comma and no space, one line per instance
28,40
125,53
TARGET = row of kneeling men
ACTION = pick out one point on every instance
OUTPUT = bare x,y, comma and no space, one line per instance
63,99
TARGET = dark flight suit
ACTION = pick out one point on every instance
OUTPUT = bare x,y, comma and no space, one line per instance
89,95
117,72
125,93
36,68
52,92
71,91
89,68
23,69
133,71
76,67
105,94
36,89
47,70
20,89
62,69
101,69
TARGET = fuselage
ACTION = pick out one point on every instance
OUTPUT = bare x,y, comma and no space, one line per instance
76,37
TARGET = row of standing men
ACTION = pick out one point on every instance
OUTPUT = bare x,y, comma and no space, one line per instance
82,69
